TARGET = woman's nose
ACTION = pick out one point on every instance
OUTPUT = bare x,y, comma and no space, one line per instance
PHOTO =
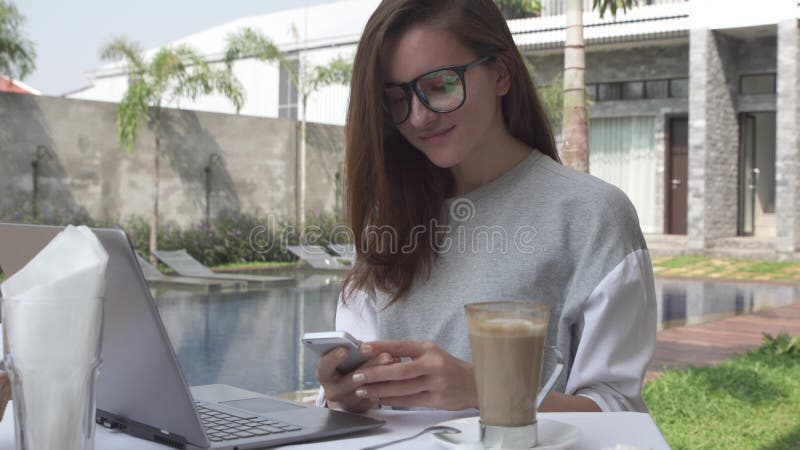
420,115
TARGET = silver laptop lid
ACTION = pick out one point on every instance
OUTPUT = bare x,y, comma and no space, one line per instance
140,379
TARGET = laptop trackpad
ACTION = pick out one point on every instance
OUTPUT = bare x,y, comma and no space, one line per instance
261,405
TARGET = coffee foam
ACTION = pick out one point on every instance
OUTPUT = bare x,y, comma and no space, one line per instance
510,326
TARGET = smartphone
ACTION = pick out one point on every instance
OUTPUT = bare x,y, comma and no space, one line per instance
325,341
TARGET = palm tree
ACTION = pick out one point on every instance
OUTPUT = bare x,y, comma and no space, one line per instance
307,79
172,73
575,145
17,55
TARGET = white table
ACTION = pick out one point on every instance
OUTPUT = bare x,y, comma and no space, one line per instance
598,431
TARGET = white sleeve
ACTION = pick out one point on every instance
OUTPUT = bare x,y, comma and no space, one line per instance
359,318
616,337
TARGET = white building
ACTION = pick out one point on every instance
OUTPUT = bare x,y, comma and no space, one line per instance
318,34
313,35
695,114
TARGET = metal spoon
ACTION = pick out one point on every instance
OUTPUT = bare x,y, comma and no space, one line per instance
437,429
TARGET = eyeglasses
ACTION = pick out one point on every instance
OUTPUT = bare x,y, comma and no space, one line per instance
442,91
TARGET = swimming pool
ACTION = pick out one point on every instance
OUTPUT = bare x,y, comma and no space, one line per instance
252,339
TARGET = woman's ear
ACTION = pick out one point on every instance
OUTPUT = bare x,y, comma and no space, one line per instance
505,71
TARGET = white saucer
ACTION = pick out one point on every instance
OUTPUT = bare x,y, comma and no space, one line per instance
552,435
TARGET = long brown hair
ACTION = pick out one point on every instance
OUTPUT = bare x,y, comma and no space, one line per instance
393,190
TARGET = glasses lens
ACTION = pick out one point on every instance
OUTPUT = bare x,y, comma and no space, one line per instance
396,103
443,90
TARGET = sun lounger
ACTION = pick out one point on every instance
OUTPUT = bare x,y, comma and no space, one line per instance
153,275
316,257
185,265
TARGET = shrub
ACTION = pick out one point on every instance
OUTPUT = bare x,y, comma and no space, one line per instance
231,237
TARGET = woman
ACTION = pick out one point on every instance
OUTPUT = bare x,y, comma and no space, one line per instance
456,195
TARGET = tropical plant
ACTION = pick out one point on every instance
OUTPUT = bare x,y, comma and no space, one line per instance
575,142
171,74
551,95
306,78
17,53
237,237
515,9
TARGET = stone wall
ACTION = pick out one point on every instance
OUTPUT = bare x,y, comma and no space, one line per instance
787,152
88,169
758,55
713,139
620,63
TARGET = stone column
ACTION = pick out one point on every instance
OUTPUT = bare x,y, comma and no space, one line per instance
787,151
713,139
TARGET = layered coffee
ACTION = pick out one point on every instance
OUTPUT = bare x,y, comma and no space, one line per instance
507,356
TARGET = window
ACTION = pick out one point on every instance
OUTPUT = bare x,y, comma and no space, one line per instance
679,88
608,91
287,93
623,152
757,84
656,88
633,90
638,89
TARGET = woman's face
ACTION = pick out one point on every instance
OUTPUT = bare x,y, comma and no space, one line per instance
447,139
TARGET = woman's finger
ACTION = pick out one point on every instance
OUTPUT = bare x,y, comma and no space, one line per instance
339,385
421,399
380,360
326,367
412,349
389,372
390,389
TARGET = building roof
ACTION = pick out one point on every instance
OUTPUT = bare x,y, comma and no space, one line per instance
10,85
665,19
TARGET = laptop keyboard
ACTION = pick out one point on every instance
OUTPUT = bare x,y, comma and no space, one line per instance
222,426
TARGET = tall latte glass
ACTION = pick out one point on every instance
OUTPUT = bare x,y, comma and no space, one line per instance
507,341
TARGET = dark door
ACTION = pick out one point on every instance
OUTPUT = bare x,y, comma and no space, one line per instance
677,175
748,174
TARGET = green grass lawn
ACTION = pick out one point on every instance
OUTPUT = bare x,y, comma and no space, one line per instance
255,266
749,402
695,266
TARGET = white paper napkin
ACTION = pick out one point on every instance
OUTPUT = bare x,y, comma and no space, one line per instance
52,328
72,264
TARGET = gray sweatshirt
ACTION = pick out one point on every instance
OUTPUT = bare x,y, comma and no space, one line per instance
539,232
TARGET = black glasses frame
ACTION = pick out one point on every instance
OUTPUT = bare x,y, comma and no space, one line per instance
413,85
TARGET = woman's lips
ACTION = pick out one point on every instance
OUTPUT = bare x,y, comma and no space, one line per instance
435,138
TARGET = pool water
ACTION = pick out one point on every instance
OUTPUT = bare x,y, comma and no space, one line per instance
252,339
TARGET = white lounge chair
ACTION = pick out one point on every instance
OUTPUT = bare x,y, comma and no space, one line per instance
316,257
185,265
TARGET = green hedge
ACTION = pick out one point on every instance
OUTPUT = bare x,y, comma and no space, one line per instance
232,237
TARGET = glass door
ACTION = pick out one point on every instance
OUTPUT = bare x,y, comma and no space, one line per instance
748,174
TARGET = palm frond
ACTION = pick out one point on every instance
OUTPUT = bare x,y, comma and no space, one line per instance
17,53
337,71
613,5
121,49
250,43
133,107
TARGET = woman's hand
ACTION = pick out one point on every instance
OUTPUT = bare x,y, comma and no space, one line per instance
433,378
339,388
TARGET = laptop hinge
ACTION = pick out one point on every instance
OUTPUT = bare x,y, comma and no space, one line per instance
139,430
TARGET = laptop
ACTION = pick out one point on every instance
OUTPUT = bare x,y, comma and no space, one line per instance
141,389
